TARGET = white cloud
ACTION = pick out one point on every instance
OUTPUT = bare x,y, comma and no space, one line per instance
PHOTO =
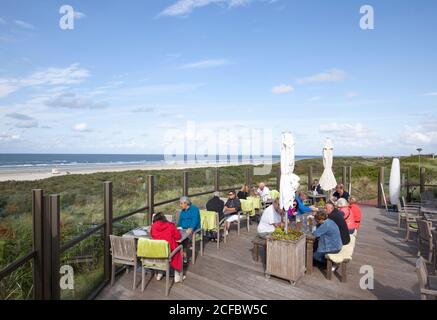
333,75
424,134
72,74
7,137
185,7
161,89
312,99
81,127
283,88
352,94
24,25
430,94
204,64
73,101
352,134
79,15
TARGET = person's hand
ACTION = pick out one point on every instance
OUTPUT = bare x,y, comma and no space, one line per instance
189,231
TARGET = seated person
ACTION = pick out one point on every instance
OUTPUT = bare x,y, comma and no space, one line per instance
356,211
337,216
231,209
301,208
254,192
292,211
316,187
216,204
329,239
340,193
189,219
263,192
164,230
270,220
344,207
243,193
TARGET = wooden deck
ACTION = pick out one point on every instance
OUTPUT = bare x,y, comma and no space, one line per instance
232,273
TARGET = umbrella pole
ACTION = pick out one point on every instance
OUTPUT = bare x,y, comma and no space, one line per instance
286,222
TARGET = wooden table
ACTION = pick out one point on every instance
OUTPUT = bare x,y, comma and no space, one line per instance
184,234
428,210
315,198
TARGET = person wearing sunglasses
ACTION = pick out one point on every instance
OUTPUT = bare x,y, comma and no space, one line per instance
231,209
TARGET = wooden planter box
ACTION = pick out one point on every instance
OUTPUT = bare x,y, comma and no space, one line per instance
286,259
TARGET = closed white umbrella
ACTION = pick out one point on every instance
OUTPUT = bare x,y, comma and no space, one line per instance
289,181
395,181
327,181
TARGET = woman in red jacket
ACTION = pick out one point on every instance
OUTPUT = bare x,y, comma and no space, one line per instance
349,217
164,230
356,211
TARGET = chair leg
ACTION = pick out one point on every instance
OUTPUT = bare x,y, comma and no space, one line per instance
135,277
238,226
167,280
143,276
218,238
113,274
193,250
344,272
201,244
329,270
248,222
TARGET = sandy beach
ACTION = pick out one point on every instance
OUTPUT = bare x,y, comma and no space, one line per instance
39,173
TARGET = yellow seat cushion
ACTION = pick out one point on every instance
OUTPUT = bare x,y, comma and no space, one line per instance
148,248
208,220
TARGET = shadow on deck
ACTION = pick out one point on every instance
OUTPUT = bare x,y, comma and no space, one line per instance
232,273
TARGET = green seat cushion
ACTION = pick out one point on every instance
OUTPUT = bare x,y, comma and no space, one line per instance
413,225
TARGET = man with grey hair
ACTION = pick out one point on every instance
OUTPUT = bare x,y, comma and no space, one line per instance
189,219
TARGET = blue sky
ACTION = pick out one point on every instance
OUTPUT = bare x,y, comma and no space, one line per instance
133,74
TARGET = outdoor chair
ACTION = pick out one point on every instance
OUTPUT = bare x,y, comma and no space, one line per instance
156,255
247,210
411,217
274,194
256,206
123,251
210,221
425,237
427,284
434,240
342,259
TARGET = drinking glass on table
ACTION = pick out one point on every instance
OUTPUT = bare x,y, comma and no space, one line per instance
298,223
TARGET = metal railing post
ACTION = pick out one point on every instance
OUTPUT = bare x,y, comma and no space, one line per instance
55,233
310,177
151,196
37,215
380,183
107,231
185,183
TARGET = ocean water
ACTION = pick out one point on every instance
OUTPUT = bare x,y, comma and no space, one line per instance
23,160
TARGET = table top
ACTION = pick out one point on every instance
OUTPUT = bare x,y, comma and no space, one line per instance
147,235
311,195
430,217
428,210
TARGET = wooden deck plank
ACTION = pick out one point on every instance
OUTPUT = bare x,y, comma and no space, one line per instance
232,272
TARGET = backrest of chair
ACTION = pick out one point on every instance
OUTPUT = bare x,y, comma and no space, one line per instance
424,229
155,249
123,247
208,220
434,239
274,194
422,273
246,205
404,202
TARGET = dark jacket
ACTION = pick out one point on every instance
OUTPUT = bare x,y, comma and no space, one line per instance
338,218
345,195
242,195
317,188
234,203
216,204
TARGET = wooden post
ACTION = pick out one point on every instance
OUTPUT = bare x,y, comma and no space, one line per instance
37,214
310,177
249,177
46,250
217,180
422,180
349,174
408,185
344,177
151,196
185,183
55,217
278,178
108,213
380,183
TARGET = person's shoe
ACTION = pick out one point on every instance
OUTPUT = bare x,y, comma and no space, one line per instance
159,276
177,277
226,233
334,268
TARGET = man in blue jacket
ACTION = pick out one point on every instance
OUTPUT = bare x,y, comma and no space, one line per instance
301,208
189,217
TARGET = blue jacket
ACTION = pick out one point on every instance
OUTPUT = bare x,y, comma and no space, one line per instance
301,208
329,237
190,218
